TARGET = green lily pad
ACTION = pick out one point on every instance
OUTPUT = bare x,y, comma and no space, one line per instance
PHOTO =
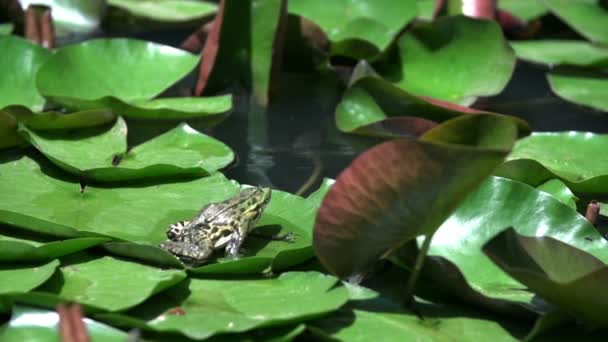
21,279
34,324
562,52
71,16
370,101
454,58
586,90
500,203
587,17
19,63
166,10
202,308
524,9
46,121
560,191
357,28
317,196
180,151
535,160
15,248
107,283
374,194
559,273
6,28
122,74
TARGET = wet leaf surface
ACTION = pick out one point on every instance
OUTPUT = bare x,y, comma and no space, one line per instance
34,324
24,278
107,283
181,151
19,88
209,307
499,203
171,10
562,52
436,60
405,188
588,18
583,89
556,271
535,160
357,28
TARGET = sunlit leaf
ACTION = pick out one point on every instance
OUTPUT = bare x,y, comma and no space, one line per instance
34,324
19,61
181,151
400,189
357,28
202,308
559,190
536,159
562,52
453,58
587,17
559,273
23,278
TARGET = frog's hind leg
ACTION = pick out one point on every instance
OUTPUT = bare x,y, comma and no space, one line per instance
176,230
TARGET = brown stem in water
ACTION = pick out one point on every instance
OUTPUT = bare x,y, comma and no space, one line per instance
593,210
47,31
32,29
71,324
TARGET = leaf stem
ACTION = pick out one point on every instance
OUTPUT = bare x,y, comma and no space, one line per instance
411,282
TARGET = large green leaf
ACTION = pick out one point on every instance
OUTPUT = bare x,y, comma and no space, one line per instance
19,62
31,248
585,89
500,203
166,10
400,189
107,283
72,15
60,121
562,52
557,272
21,279
181,151
369,105
560,191
357,28
33,324
202,308
453,58
536,159
587,17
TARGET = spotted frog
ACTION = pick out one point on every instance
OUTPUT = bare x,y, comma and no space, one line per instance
218,225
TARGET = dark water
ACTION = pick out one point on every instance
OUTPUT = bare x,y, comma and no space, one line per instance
295,141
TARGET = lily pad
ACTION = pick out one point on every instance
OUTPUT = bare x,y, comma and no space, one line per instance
21,279
455,59
535,160
71,16
14,248
60,121
372,101
122,74
524,9
34,324
405,188
559,273
202,308
357,28
107,283
562,52
166,10
584,89
500,203
560,191
6,28
181,151
587,17
19,63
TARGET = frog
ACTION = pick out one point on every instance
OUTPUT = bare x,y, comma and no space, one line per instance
219,225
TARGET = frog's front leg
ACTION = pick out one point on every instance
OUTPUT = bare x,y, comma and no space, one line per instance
196,253
234,245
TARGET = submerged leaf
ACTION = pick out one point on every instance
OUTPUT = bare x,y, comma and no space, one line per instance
559,273
404,188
